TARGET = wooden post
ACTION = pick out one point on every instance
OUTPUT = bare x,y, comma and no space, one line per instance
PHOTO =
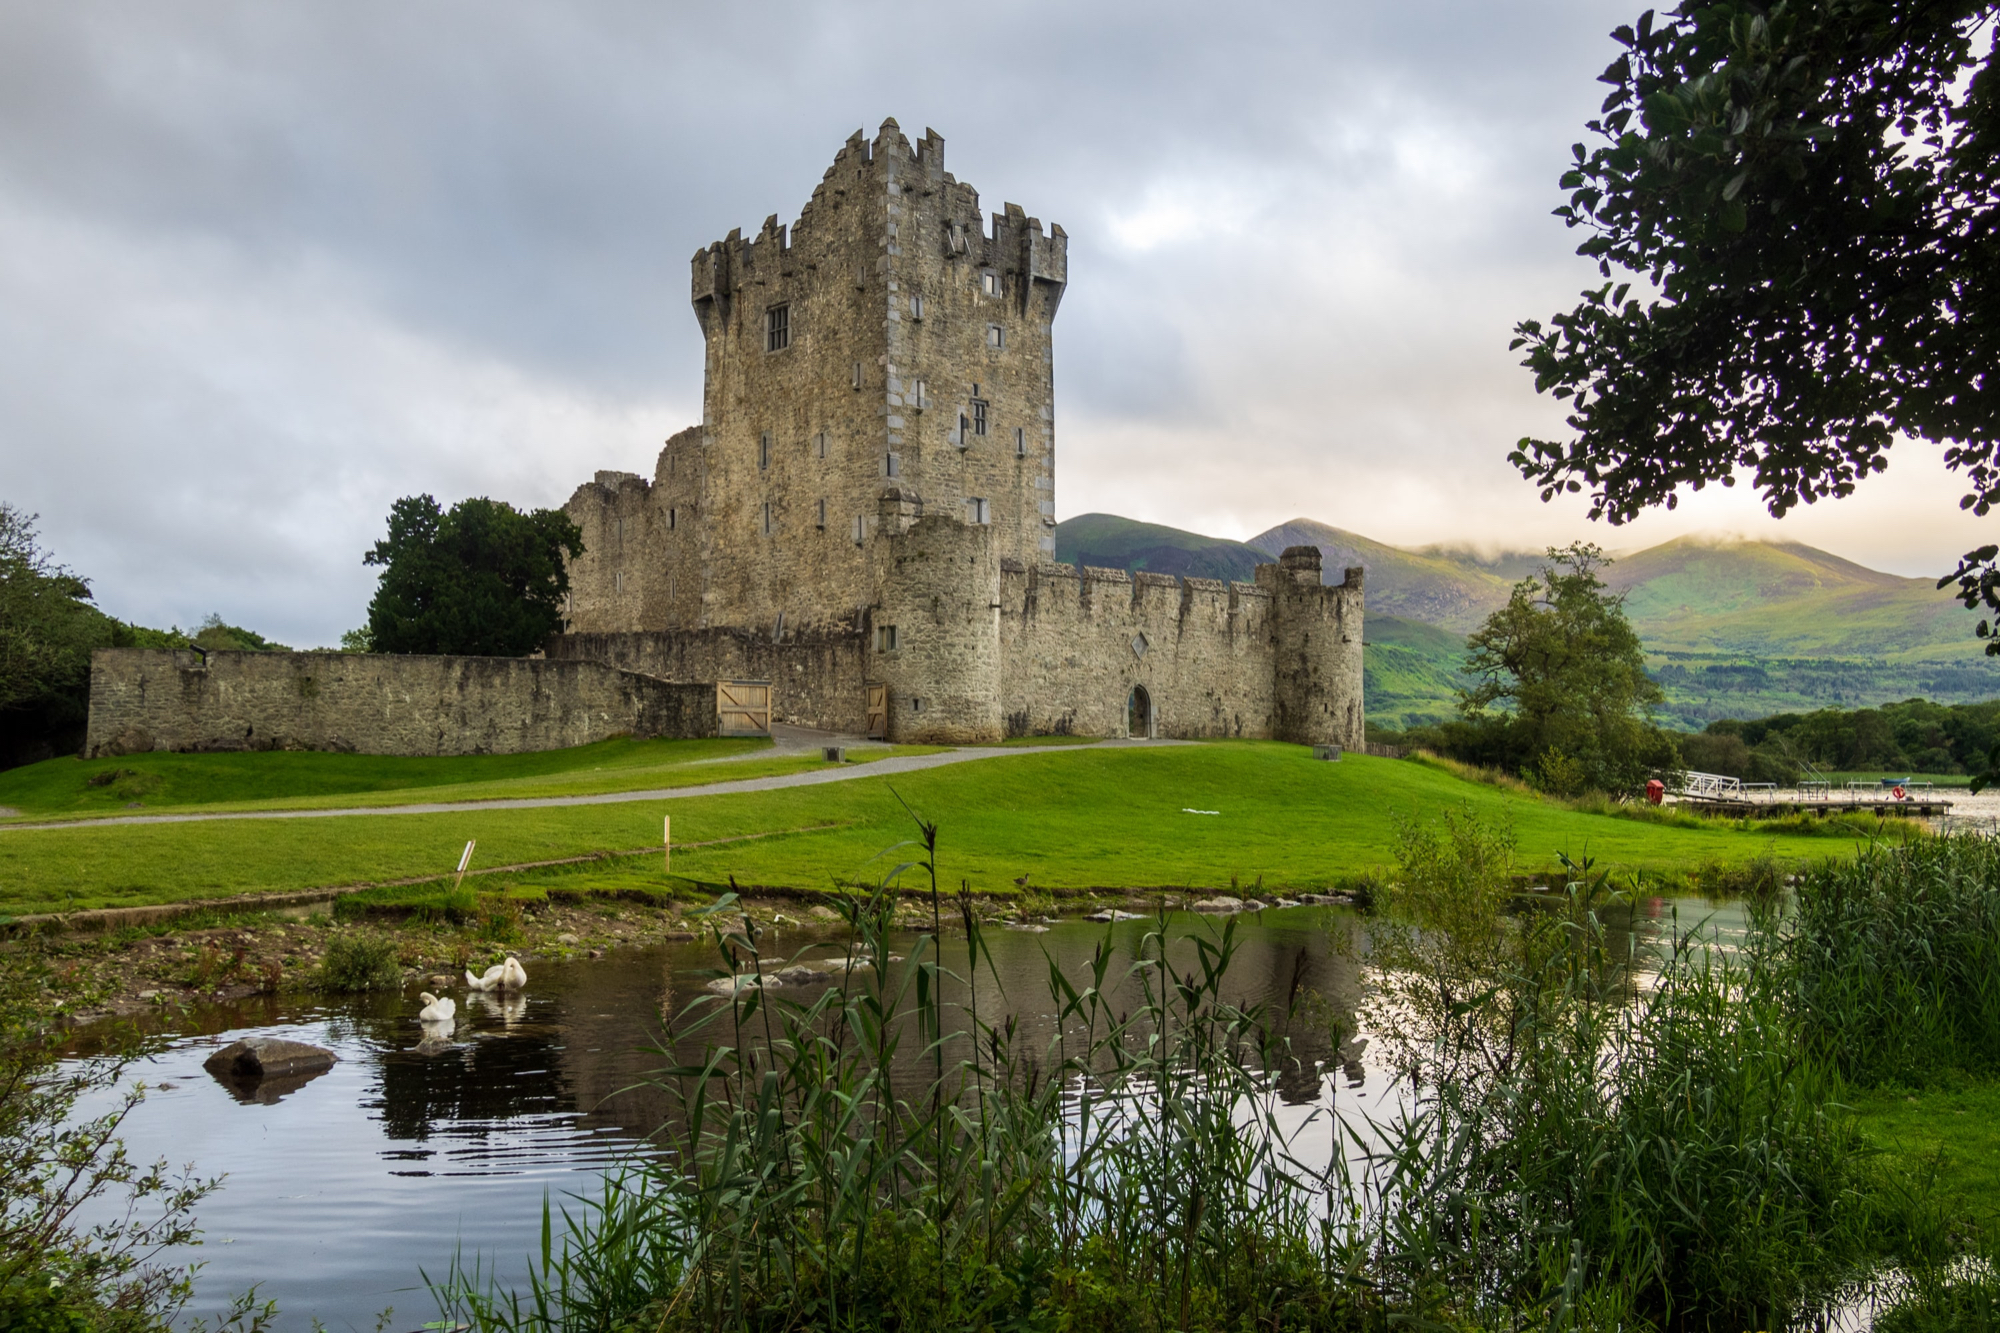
667,843
464,861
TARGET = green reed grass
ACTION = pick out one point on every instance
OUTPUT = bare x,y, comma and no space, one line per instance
881,1158
1896,959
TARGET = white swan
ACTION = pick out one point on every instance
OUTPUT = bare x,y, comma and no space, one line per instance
436,1010
506,976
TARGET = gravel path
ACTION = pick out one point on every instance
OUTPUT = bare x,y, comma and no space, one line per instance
810,778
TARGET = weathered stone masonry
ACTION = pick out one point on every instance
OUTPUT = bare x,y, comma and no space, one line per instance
375,703
870,501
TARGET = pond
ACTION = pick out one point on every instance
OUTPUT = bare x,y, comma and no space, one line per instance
344,1191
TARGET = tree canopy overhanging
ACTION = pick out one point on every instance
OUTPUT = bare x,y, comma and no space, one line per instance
1792,206
482,578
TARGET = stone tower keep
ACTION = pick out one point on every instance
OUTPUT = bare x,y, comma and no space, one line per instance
891,338
864,520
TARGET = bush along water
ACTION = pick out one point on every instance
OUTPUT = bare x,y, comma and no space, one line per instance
1579,1138
59,1272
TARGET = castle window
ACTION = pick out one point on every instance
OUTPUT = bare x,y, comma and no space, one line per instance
885,638
860,529
767,518
764,450
955,237
916,704
996,337
975,511
1020,443
857,374
822,514
978,416
989,282
892,465
618,581
920,395
819,444
671,518
777,328
916,307
963,437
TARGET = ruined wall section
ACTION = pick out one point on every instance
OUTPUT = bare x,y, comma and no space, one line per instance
1075,642
818,676
1316,652
640,563
376,703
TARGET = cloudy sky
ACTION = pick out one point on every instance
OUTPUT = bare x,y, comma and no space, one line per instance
266,267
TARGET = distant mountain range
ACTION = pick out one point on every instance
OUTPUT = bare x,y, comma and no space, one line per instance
1731,628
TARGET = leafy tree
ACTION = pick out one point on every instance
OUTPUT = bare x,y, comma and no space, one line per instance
48,629
218,636
1802,194
1562,688
483,578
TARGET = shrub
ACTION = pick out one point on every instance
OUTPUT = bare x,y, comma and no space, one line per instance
61,1273
357,962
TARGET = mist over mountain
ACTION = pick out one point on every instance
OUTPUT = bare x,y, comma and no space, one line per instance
1732,628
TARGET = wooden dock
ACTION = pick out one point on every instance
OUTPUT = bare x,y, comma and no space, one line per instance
1882,807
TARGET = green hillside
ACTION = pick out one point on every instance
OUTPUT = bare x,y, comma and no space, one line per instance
1446,589
1110,542
1731,628
1410,671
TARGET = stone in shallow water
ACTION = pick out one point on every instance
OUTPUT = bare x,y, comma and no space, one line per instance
1220,904
1113,914
264,1069
746,981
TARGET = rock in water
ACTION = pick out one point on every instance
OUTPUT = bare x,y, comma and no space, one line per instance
265,1069
266,1057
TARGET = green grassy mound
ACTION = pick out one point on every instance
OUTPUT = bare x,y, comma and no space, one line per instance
1086,818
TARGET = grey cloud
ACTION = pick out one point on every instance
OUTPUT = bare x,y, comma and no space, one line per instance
267,267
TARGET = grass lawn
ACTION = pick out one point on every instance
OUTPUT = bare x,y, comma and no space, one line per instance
1955,1129
304,780
1085,818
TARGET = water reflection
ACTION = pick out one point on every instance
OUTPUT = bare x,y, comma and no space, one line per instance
426,1137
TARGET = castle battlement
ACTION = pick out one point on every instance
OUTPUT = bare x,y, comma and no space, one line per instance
873,485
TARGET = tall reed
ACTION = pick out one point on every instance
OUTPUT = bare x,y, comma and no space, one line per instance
883,1156
1895,959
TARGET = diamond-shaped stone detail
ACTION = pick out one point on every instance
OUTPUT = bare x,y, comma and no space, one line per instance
1139,645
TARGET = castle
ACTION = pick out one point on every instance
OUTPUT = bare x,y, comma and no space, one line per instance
859,537
860,534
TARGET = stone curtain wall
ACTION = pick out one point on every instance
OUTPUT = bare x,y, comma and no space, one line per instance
818,677
1072,649
376,703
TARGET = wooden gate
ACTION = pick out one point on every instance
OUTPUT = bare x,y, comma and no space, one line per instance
744,707
878,712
